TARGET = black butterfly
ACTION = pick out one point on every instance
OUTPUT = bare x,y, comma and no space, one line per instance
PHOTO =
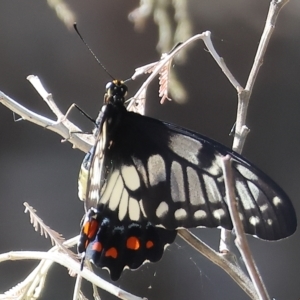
145,178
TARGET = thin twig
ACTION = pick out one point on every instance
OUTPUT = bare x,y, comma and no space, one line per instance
64,129
244,95
241,240
241,129
157,66
69,263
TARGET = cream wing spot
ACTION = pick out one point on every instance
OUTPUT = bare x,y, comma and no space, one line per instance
109,188
123,205
116,194
244,196
246,172
219,213
195,189
254,220
185,147
277,201
254,190
130,177
156,169
200,214
264,207
212,190
134,209
162,209
141,169
180,214
177,183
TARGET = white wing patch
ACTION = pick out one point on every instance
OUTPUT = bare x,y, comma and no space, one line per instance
244,196
177,183
123,205
186,147
162,209
116,194
105,197
212,190
219,213
246,172
195,189
254,220
180,214
141,169
134,209
200,214
254,189
156,169
277,201
130,177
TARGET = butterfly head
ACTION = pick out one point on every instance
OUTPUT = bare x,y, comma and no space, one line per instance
116,92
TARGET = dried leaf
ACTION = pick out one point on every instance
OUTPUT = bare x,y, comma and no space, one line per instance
55,237
164,76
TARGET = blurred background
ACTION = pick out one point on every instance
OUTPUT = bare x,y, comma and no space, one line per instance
35,166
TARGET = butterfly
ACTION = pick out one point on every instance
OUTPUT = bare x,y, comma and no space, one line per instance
145,178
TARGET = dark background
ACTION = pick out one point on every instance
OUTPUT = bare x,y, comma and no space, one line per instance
35,167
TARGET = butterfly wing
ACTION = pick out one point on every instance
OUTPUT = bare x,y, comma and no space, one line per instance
173,178
121,245
106,241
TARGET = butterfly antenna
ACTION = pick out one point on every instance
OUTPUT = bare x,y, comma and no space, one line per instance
98,61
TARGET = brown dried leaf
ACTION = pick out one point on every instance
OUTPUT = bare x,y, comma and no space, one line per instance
55,237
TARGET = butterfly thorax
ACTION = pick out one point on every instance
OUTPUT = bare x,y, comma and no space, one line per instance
113,108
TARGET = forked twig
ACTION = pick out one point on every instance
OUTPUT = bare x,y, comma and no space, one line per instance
241,129
69,263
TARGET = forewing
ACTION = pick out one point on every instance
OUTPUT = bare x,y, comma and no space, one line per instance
174,178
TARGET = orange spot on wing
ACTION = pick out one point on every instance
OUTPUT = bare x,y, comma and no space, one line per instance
133,243
111,252
149,244
90,228
97,247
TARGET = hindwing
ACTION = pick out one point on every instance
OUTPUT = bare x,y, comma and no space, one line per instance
117,246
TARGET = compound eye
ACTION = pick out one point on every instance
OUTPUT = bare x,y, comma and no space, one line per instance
109,86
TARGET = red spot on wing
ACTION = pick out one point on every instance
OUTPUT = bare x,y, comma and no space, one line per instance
149,244
97,247
112,252
133,243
